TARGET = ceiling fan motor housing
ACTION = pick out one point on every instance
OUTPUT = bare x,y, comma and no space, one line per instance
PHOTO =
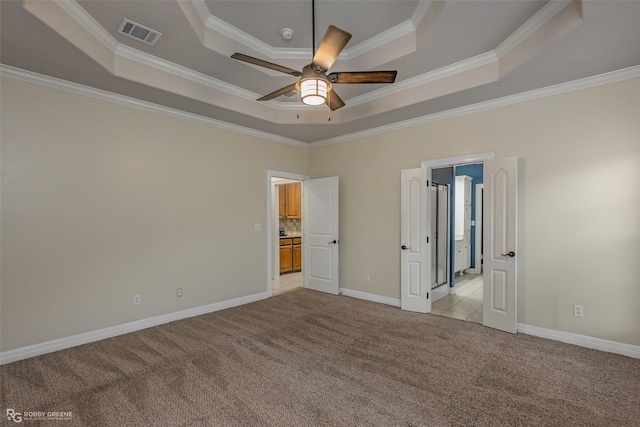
314,86
310,72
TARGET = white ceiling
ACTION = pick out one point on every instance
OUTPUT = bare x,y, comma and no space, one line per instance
448,54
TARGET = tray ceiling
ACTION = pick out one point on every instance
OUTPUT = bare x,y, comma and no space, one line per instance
448,54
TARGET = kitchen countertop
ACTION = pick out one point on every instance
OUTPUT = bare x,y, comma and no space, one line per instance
289,236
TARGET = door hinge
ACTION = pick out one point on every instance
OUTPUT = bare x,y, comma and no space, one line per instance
427,183
427,239
427,295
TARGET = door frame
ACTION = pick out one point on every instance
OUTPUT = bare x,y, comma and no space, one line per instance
477,264
429,165
284,175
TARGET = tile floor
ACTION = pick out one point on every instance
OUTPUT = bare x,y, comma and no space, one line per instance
287,283
466,304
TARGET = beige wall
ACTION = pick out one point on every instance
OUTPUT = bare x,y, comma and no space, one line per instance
102,201
581,209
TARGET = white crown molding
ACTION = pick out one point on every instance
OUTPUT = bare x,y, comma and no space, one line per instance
403,29
132,64
78,13
227,30
184,72
201,8
222,30
101,334
428,77
476,63
585,83
78,89
533,24
602,79
420,12
629,350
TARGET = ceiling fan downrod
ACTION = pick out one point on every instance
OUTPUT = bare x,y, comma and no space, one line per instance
313,28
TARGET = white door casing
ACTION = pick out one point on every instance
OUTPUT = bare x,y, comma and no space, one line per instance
477,255
321,236
500,243
414,250
272,235
275,235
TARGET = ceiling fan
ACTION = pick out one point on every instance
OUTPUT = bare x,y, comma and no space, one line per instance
315,85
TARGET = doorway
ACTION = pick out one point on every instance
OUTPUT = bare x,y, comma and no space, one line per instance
463,297
320,236
500,238
284,232
288,268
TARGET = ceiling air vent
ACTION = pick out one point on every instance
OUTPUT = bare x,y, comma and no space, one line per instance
139,32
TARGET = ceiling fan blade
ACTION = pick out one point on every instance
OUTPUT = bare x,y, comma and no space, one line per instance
334,102
333,42
363,77
270,65
278,92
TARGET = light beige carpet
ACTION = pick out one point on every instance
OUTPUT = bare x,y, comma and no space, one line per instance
310,359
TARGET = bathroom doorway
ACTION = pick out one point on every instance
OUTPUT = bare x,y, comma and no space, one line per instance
460,220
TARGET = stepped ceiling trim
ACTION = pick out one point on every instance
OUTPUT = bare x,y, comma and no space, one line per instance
75,88
76,25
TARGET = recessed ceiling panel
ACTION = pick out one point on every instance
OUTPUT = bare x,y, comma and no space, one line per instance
263,19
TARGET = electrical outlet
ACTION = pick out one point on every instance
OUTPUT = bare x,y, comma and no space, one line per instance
179,292
136,299
367,277
578,310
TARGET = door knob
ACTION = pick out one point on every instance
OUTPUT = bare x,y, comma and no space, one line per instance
334,242
509,254
404,248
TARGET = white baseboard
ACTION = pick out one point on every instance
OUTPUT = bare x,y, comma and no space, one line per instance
370,297
582,340
629,350
87,337
100,334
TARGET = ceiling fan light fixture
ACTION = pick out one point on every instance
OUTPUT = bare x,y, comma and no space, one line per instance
314,91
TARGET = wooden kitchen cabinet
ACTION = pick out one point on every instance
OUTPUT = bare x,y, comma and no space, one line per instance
297,254
289,201
286,255
290,254
293,201
282,200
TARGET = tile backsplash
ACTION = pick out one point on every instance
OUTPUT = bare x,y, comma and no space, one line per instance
291,226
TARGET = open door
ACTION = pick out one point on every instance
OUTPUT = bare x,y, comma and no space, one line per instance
500,227
321,234
414,249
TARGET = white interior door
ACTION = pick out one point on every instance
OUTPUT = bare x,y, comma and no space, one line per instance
500,243
414,249
321,234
